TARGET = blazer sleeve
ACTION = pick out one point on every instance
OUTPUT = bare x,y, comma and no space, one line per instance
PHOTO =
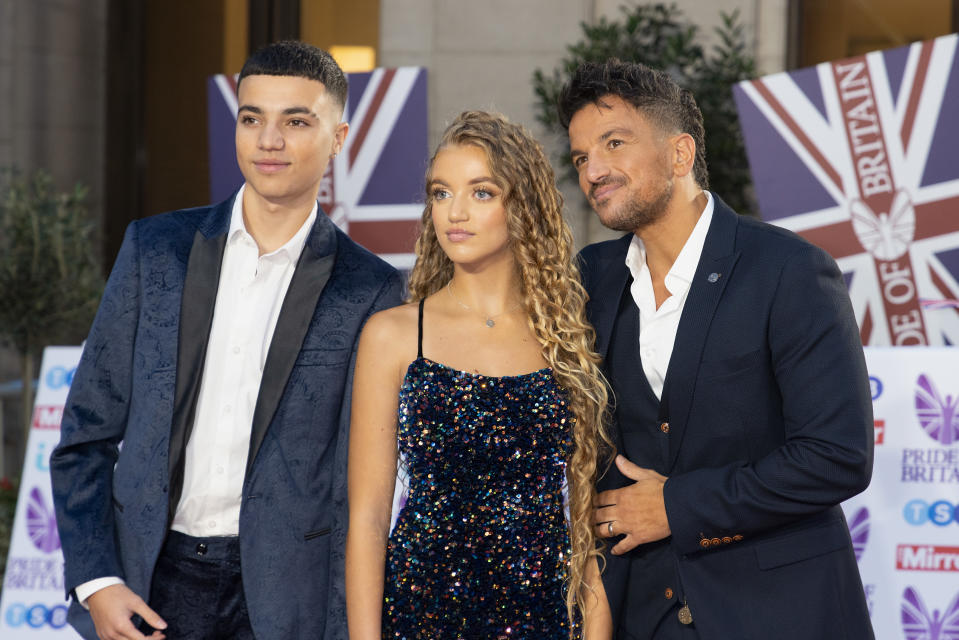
93,424
827,426
389,295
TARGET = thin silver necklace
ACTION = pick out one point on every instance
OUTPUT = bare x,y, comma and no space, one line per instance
490,322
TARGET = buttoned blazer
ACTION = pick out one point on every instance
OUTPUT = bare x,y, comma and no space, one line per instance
770,427
137,382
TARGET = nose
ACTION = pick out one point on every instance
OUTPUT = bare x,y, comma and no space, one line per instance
596,169
270,138
459,209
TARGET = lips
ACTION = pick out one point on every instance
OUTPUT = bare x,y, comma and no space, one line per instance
603,191
270,166
458,235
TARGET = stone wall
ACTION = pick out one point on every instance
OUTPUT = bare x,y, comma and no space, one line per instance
483,55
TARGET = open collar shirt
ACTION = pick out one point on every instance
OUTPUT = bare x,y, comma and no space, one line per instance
657,327
249,296
248,301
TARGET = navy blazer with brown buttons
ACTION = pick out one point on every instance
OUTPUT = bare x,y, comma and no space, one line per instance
770,428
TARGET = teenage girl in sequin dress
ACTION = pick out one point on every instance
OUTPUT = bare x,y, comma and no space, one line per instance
486,388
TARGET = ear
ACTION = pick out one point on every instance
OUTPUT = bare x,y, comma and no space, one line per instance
684,154
339,137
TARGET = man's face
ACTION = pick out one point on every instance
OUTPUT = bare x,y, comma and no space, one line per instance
286,130
624,163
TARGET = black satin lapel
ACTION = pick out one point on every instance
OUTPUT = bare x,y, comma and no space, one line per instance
196,318
704,295
311,275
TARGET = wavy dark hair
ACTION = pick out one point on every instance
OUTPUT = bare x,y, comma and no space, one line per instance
653,92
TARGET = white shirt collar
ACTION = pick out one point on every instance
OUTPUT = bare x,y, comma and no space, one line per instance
680,275
291,249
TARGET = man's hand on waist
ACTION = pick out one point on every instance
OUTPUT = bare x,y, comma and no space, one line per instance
636,511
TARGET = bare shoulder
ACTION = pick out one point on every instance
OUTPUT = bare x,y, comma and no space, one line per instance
390,324
391,334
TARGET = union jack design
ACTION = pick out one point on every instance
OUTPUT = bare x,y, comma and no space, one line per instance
861,157
373,189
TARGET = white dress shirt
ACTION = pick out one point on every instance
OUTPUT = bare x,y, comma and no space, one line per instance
657,327
248,301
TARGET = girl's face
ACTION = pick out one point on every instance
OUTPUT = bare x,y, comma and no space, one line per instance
468,212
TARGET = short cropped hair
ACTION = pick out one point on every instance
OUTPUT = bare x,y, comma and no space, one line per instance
295,58
669,106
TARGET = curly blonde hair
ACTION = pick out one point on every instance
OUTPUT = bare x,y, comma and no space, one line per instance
554,300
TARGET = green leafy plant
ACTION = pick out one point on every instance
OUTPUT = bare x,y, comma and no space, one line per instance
8,506
50,281
660,36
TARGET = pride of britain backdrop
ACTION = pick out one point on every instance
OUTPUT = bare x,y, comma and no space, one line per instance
861,157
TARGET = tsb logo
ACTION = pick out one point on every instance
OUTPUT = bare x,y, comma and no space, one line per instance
941,513
59,377
36,616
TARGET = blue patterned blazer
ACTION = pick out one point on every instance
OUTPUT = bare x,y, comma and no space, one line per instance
138,381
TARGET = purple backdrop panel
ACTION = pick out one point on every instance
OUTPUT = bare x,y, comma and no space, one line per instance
225,176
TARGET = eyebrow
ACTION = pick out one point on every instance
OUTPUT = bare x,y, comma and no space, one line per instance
617,130
287,112
478,180
606,136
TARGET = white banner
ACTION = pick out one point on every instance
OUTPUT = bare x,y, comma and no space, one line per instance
905,527
33,605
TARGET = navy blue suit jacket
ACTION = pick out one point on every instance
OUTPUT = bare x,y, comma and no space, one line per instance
771,428
137,383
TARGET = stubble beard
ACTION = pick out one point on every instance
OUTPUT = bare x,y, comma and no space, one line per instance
638,212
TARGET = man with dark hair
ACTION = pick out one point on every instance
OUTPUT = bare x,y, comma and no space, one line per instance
743,415
300,60
221,358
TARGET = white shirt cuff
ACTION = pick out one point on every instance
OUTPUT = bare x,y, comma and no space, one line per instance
87,589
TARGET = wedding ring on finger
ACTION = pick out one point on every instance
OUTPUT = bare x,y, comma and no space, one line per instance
609,527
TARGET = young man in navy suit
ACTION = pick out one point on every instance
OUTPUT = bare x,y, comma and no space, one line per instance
221,357
743,415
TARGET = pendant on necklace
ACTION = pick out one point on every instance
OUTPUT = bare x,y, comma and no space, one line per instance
490,323
685,615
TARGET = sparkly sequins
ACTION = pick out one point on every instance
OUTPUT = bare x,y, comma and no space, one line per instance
480,547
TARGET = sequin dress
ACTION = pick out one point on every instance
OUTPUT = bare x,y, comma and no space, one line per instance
480,548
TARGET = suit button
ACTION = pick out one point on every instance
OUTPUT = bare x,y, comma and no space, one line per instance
668,593
737,538
201,549
664,427
715,541
704,543
727,540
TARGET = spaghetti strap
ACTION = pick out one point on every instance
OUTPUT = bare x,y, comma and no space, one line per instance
419,331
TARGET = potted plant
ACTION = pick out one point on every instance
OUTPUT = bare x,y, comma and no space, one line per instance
50,281
8,506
